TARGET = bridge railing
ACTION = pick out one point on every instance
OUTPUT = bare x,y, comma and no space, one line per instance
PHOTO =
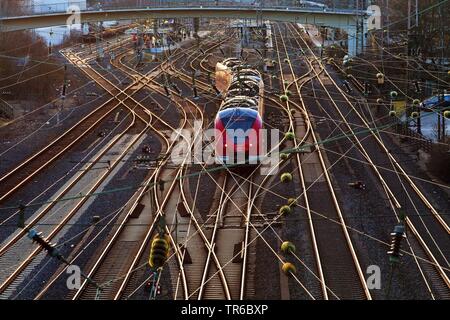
73,5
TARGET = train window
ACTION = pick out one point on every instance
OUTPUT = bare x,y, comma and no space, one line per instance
237,122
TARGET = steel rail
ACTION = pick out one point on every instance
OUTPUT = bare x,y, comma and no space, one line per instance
330,187
439,268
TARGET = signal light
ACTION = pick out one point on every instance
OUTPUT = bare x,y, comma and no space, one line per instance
396,239
347,86
158,289
367,88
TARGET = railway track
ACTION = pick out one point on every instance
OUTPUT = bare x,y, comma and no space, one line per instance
319,196
22,174
211,260
420,227
246,243
122,287
54,216
17,242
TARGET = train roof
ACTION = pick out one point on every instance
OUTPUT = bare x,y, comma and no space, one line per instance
253,79
242,92
245,85
231,62
240,102
251,72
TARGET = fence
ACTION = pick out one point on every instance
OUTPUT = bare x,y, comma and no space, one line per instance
414,138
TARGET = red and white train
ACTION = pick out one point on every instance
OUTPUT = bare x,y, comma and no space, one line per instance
239,122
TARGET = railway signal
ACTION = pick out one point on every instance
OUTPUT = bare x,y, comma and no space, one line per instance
367,90
21,217
161,184
175,87
64,89
394,252
45,244
195,92
193,77
417,86
166,89
347,86
396,239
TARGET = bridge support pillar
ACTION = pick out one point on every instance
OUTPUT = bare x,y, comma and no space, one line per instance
361,36
352,42
357,40
365,33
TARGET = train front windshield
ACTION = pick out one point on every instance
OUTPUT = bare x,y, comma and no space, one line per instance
237,127
237,122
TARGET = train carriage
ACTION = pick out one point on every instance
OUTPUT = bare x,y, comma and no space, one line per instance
238,123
